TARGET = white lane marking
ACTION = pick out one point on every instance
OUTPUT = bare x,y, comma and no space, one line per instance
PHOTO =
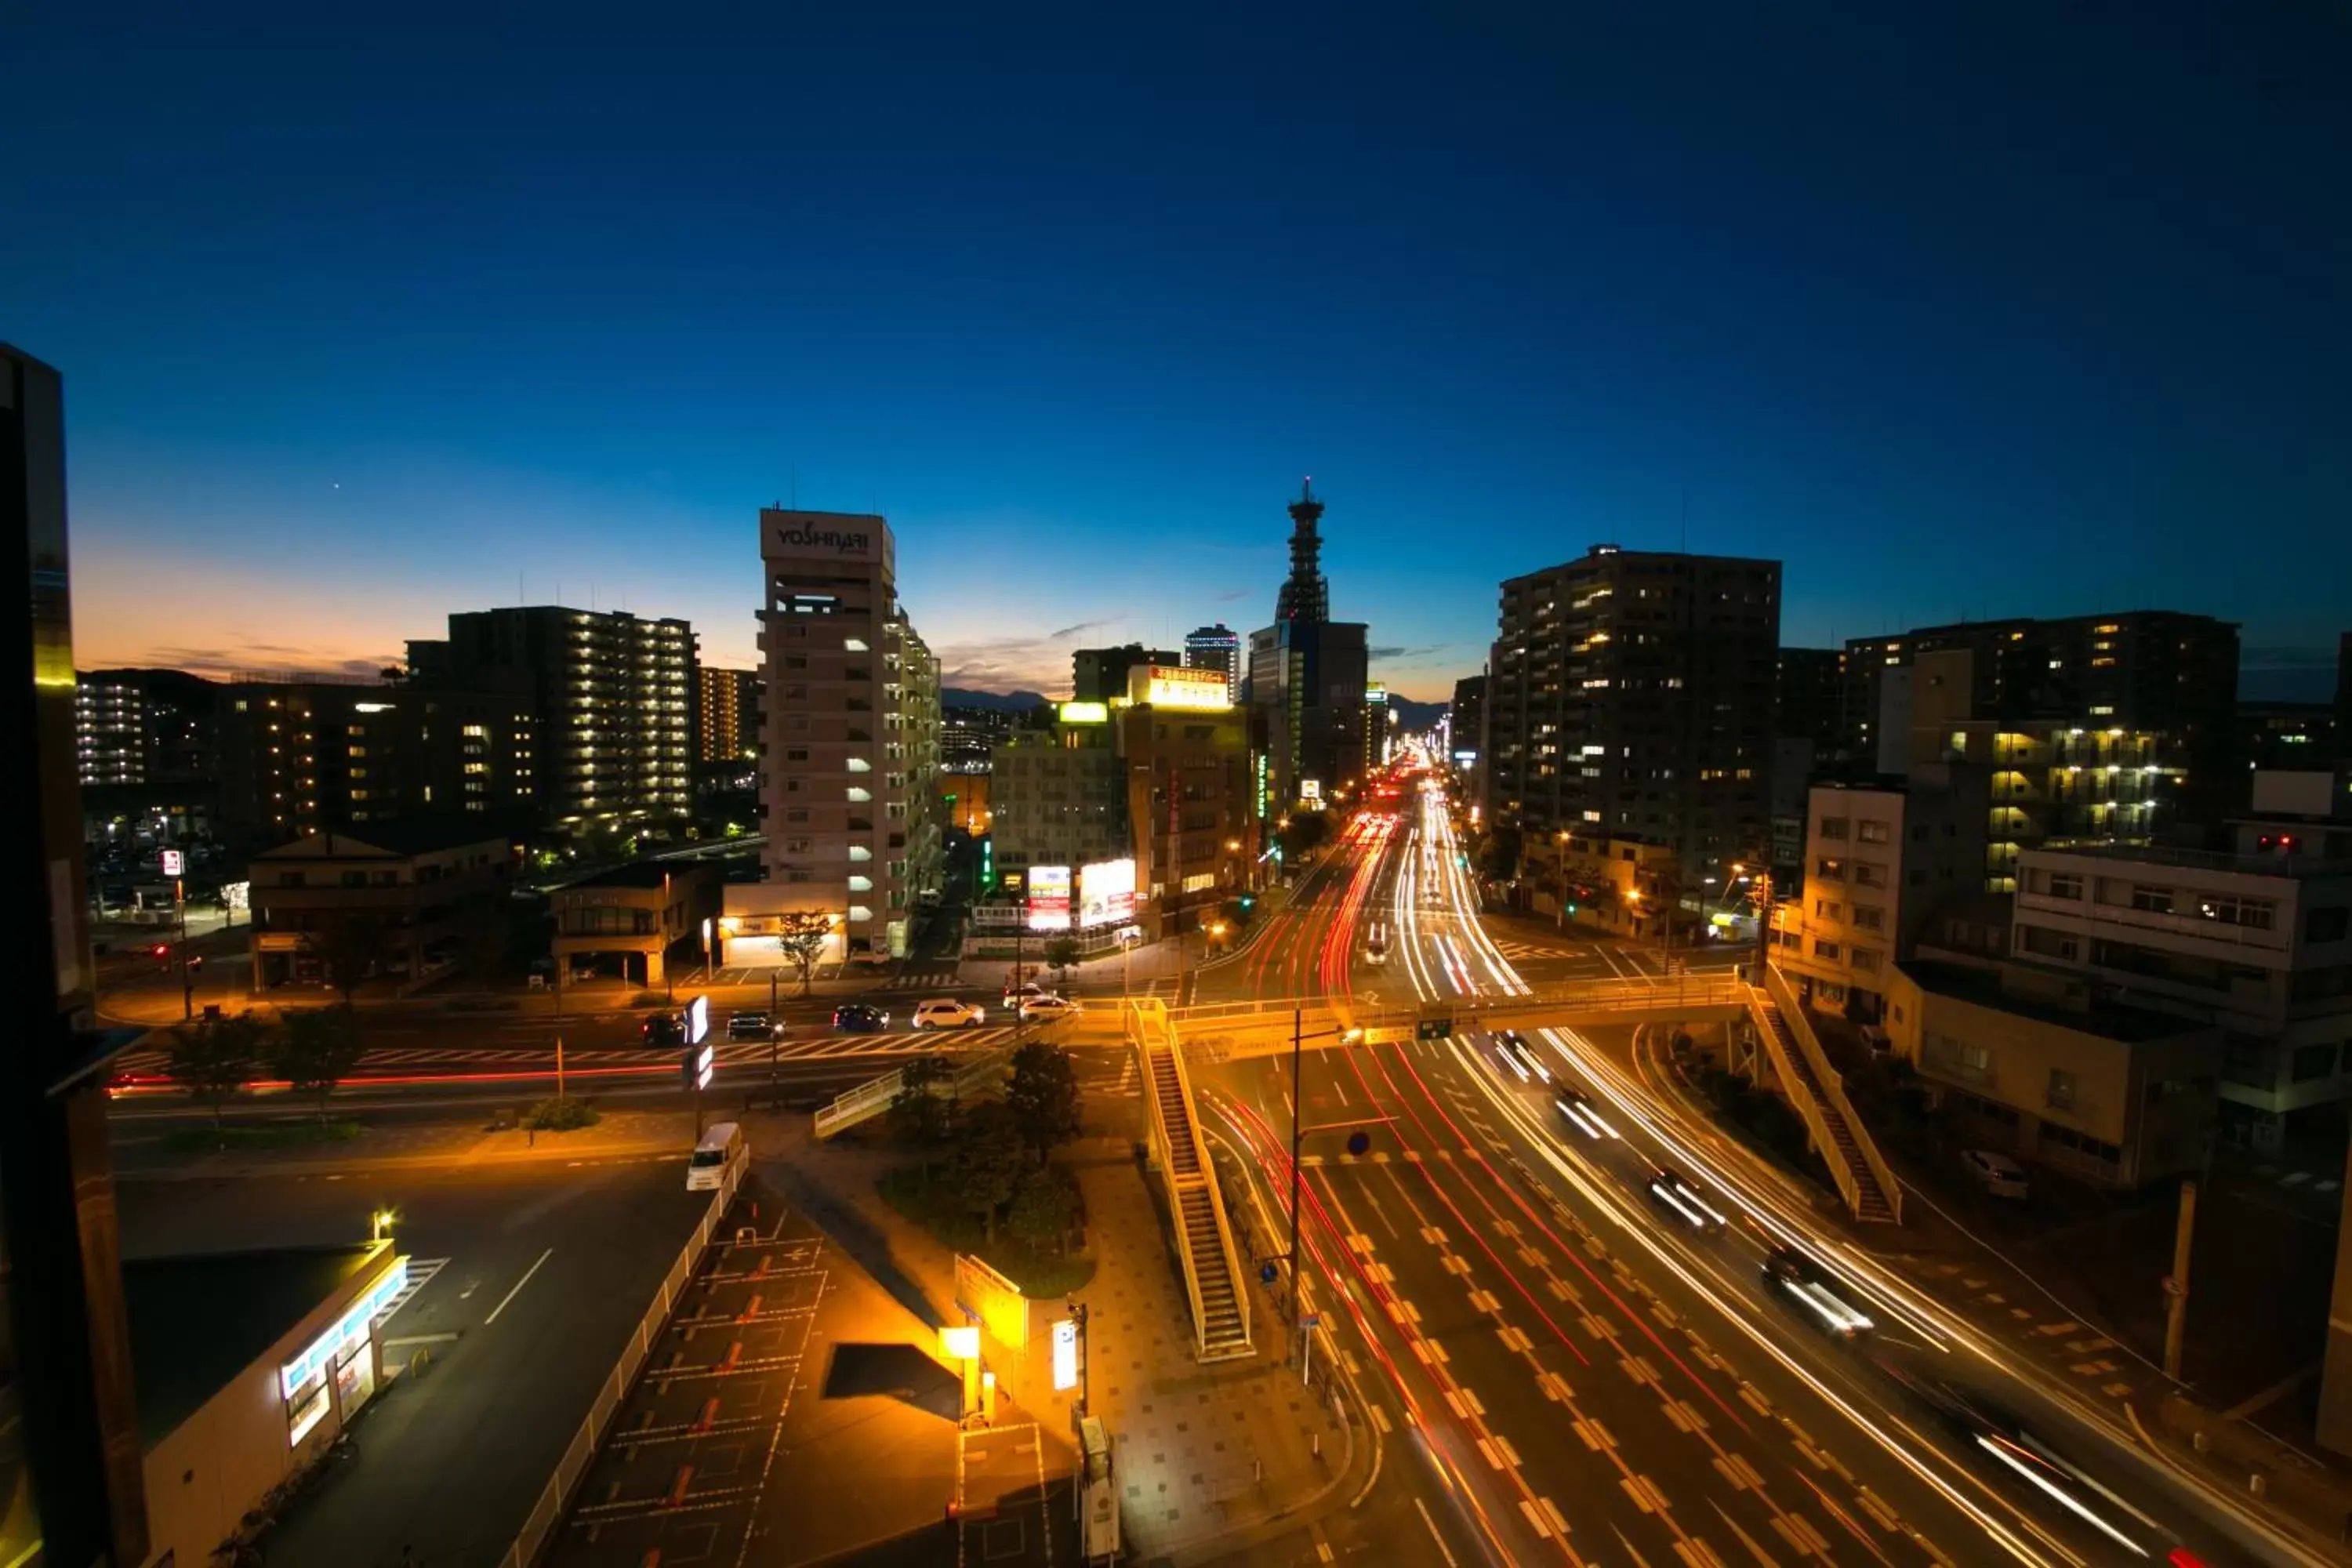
1446,1550
517,1287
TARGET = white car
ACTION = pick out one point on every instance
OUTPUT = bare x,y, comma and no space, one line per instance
1048,1009
1996,1172
946,1013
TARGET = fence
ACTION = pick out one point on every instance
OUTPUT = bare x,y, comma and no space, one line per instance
547,1513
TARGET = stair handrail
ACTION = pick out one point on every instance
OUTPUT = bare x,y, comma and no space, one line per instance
1216,1200
1809,1108
1834,1086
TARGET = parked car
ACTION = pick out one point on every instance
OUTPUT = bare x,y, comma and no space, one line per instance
1026,992
748,1026
1996,1172
946,1013
1793,1274
1048,1009
859,1019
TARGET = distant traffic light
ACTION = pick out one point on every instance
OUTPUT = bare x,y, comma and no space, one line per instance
1249,900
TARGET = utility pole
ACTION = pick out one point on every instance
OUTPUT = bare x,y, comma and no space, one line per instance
187,985
1297,1131
2176,1285
559,1066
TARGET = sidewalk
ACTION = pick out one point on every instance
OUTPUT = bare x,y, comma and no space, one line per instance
1204,1454
140,1154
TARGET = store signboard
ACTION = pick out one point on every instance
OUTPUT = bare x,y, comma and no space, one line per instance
1049,898
1105,894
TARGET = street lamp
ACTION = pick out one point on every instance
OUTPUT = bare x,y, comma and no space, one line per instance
1299,1130
379,1222
1561,860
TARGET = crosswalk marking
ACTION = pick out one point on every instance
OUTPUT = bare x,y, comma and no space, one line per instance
421,1271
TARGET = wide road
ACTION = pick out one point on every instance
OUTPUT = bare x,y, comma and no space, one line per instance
1582,1371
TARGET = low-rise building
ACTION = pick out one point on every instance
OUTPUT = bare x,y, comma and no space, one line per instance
409,902
2035,1065
1623,886
2259,945
629,923
250,1364
1057,795
1190,798
1879,859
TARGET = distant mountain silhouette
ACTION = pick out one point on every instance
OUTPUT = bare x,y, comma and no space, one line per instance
1415,716
1001,701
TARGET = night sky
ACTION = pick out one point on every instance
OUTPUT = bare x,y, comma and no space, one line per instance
2038,308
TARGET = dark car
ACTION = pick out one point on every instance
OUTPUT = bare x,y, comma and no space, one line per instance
748,1026
1678,1197
858,1019
1796,1276
664,1029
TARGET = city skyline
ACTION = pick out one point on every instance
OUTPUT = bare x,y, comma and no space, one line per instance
1919,315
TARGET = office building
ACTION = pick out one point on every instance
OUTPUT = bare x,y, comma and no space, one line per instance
405,902
71,1464
1629,694
727,714
1308,678
296,757
1881,859
2287,737
2144,672
636,923
848,790
2259,943
1057,796
1190,792
614,696
1219,648
1099,674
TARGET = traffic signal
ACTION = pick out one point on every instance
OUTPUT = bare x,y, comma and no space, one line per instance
1249,900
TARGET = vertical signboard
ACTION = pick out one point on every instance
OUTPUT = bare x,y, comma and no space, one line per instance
1049,898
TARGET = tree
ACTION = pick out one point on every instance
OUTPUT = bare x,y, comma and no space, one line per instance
212,1058
1306,832
1042,1096
801,934
1042,1209
918,1112
987,1162
1497,857
1062,953
348,947
315,1050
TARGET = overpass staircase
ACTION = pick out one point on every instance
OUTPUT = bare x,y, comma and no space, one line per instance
1817,1093
1204,1236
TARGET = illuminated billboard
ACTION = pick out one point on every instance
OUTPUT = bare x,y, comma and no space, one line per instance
1086,712
1049,898
1105,894
1172,686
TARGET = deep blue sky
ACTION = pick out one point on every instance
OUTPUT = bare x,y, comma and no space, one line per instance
2034,309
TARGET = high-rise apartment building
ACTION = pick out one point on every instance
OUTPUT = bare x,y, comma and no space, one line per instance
145,727
70,1465
848,786
1631,694
1809,700
296,757
615,695
2146,673
1307,677
1217,647
727,713
1099,674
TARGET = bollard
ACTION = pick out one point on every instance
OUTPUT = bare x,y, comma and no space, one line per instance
2259,1483
1318,1445
2199,1441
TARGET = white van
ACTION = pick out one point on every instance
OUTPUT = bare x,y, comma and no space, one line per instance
721,1151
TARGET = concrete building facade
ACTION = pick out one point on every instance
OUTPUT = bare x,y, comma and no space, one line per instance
848,786
1629,694
406,902
1217,647
1191,803
635,922
727,713
615,695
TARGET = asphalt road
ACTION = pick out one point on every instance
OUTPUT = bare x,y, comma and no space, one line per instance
539,1273
1580,1371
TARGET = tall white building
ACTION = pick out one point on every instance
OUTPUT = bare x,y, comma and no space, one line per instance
850,741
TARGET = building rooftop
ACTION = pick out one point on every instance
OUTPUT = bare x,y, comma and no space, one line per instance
636,874
2295,868
394,835
2108,1020
197,1321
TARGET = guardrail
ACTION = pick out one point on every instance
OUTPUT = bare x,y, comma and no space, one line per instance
871,1099
539,1527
